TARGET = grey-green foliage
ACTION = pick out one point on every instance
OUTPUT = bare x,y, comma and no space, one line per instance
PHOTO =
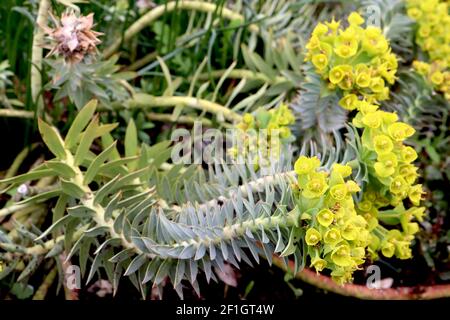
416,103
279,18
283,33
280,70
81,82
126,216
414,100
317,110
266,77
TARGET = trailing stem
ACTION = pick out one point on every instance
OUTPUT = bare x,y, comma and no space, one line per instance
37,54
146,101
88,201
157,12
12,113
241,74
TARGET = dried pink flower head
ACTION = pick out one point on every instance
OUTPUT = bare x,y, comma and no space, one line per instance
72,36
145,4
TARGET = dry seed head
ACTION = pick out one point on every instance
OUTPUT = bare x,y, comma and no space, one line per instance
73,37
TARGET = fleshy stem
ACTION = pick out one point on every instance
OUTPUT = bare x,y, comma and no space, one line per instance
13,113
231,231
254,186
238,229
88,201
16,207
46,284
146,101
241,74
266,223
162,117
37,54
157,12
40,249
20,158
142,62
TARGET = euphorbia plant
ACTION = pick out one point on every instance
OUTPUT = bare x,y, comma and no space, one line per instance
433,22
142,222
131,211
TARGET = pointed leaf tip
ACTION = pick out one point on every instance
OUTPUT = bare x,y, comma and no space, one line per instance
80,122
52,139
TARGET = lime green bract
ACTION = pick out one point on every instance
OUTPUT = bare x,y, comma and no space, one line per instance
355,60
433,37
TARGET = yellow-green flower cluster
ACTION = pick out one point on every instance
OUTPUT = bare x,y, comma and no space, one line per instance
393,242
262,135
433,37
436,74
337,237
340,233
356,60
433,33
391,168
383,138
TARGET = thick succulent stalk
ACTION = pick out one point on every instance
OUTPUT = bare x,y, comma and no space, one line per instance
146,101
37,53
41,293
157,12
88,201
254,186
165,118
11,113
42,249
241,74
